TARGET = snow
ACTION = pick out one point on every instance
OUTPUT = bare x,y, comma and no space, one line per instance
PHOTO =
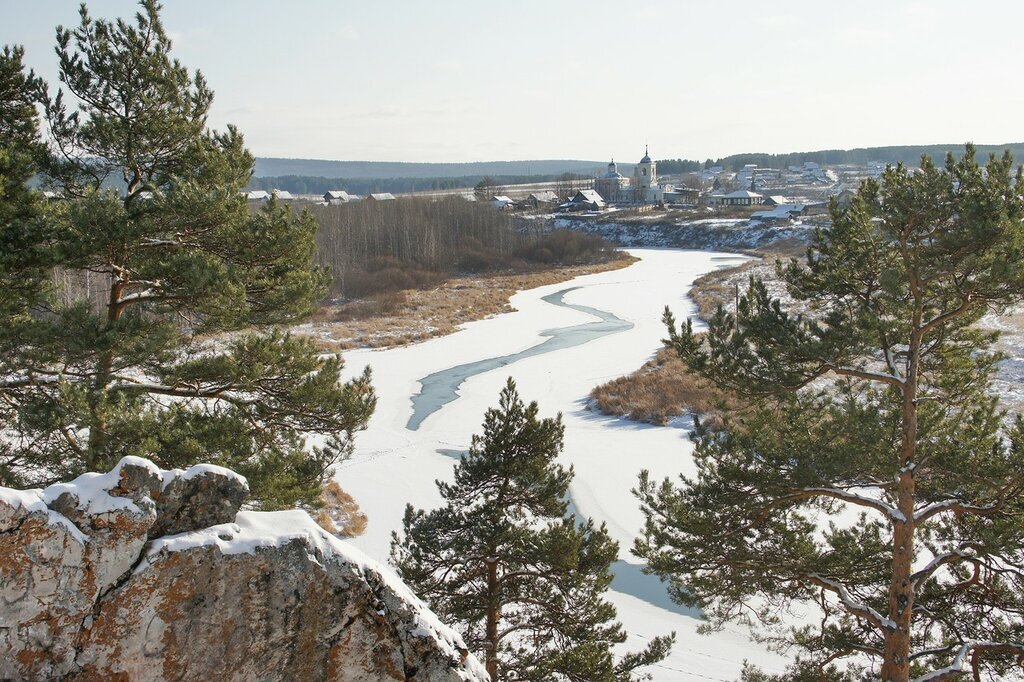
91,489
393,465
254,530
32,501
199,470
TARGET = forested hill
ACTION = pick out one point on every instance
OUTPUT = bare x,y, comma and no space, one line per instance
906,154
364,170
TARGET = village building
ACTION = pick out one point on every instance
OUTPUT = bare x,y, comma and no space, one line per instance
780,213
646,189
613,185
642,188
776,200
743,197
339,197
538,199
380,196
584,200
681,196
501,201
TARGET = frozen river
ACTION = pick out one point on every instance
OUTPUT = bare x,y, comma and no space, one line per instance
563,340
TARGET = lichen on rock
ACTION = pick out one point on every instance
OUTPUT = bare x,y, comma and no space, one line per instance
148,574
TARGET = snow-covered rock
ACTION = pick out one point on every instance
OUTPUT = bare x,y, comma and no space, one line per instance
147,574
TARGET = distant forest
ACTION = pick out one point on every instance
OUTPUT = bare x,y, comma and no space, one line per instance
310,176
371,170
309,184
908,155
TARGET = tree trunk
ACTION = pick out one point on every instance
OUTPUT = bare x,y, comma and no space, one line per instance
896,656
104,367
493,614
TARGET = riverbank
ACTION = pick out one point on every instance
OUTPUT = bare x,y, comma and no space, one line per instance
415,315
394,464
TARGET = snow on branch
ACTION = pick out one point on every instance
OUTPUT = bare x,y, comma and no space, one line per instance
962,553
960,664
959,507
847,496
854,607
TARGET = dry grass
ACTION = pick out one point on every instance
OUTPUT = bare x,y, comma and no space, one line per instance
404,317
340,514
660,390
664,387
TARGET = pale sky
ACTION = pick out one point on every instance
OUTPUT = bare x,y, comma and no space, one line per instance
461,80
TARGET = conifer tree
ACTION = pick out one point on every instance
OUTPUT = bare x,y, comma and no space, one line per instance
504,561
874,473
146,347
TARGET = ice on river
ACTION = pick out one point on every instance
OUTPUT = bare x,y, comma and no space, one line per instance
394,465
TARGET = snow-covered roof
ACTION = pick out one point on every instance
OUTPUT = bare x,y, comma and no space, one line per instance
257,195
742,194
778,199
780,212
588,195
337,195
381,196
544,196
282,194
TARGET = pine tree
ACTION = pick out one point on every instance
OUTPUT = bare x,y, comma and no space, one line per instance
504,560
874,472
146,347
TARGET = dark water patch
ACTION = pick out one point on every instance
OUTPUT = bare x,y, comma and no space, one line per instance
440,388
630,579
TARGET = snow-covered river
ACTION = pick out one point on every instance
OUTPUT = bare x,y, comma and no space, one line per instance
563,340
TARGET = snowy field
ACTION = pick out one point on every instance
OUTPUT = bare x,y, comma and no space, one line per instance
394,465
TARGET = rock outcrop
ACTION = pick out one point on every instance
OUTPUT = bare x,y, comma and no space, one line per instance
146,574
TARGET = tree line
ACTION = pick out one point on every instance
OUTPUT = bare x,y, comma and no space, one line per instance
309,184
371,247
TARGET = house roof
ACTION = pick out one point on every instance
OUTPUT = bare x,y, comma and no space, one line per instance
742,194
587,196
381,196
282,194
781,211
544,196
338,194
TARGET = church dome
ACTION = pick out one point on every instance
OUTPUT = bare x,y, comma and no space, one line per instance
647,157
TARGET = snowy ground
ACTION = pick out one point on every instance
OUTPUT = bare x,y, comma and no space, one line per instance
394,465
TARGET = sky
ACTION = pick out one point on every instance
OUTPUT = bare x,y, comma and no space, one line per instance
461,80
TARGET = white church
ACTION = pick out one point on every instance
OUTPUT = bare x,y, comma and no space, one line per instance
642,188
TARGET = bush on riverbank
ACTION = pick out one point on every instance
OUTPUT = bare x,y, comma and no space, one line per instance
660,390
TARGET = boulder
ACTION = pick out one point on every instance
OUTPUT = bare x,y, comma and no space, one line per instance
146,574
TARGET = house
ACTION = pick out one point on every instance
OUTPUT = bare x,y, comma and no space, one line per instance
257,195
741,197
282,195
538,199
339,197
584,200
380,196
782,212
500,201
682,196
776,200
844,197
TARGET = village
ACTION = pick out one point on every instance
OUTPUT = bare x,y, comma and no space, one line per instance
770,196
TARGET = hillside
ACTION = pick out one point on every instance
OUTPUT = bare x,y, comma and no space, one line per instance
362,170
